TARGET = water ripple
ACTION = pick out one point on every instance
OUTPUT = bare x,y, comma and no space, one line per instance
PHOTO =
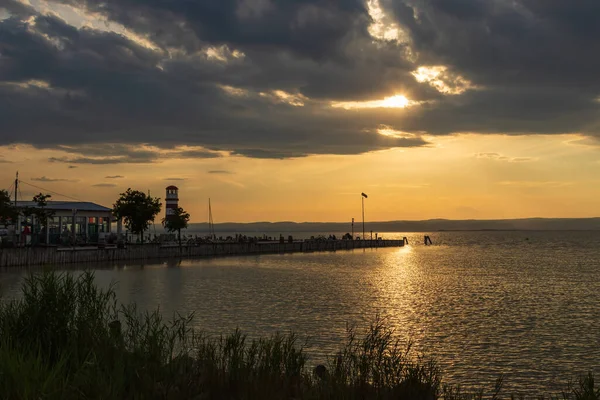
521,304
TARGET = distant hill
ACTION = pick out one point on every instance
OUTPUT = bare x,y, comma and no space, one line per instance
431,225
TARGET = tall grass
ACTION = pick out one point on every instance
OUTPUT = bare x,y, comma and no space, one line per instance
67,339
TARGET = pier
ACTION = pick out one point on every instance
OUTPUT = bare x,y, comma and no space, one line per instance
14,257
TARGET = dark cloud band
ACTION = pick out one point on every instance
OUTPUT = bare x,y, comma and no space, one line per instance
256,78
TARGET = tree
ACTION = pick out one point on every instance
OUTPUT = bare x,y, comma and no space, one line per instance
137,209
41,213
8,212
176,222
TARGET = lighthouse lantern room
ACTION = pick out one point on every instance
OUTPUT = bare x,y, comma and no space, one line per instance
172,200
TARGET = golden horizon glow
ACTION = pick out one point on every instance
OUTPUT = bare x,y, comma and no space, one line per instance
464,176
396,101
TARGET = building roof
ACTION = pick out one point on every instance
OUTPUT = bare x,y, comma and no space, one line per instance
67,206
172,187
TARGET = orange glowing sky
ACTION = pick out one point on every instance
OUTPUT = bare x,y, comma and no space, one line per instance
458,177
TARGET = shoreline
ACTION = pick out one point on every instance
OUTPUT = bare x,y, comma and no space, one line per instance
27,256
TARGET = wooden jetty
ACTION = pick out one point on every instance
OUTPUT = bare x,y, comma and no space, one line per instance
13,257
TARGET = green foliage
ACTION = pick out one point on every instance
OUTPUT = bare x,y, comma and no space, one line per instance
41,213
137,209
177,221
41,199
586,389
379,365
234,366
67,339
8,212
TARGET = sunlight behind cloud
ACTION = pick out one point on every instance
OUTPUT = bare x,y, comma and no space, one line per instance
80,17
43,86
32,83
280,96
382,28
388,131
233,91
223,53
439,78
396,101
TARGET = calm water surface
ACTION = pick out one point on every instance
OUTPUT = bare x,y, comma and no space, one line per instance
522,304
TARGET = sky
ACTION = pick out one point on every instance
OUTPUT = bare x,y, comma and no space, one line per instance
288,110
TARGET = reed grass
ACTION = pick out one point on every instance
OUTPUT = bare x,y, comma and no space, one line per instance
67,339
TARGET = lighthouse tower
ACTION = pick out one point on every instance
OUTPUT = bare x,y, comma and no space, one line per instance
172,199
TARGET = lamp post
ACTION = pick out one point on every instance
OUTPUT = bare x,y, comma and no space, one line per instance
74,233
363,196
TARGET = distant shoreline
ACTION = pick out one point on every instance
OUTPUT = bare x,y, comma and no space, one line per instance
435,225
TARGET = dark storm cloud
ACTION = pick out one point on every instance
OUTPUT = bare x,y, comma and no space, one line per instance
124,154
103,88
13,7
220,171
195,154
96,161
133,158
533,64
308,28
114,177
525,42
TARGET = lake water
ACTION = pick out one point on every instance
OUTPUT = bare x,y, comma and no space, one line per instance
522,304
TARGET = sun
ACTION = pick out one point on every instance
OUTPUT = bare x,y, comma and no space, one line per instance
397,101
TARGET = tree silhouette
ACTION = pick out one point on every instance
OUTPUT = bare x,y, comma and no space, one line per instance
137,209
41,213
176,222
8,212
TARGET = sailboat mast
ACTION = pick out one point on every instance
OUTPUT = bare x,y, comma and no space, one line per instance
211,226
16,188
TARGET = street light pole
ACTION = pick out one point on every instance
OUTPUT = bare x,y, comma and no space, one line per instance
74,233
363,216
363,196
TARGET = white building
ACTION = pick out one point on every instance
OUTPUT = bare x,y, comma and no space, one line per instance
82,222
